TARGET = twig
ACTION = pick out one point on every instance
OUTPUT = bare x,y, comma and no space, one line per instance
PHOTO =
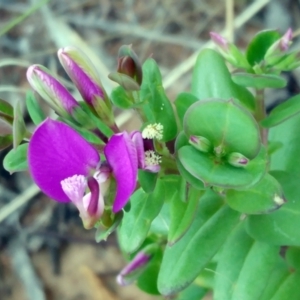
19,19
133,30
19,201
240,20
24,269
230,20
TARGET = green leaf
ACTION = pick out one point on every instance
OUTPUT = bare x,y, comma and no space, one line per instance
147,282
88,120
124,81
182,214
160,225
6,110
259,45
292,257
182,103
147,180
206,277
19,127
277,276
230,262
226,126
263,197
136,223
34,109
120,98
260,81
281,227
5,127
223,174
5,141
183,261
192,292
255,273
16,159
289,288
282,112
181,141
211,79
152,92
102,234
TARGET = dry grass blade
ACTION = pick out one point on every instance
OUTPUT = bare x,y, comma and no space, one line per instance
186,65
20,200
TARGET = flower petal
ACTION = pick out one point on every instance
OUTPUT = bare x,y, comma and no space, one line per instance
121,155
50,89
56,152
82,72
138,141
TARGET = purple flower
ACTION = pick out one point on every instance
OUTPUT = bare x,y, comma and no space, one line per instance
147,158
121,156
67,168
50,89
56,152
60,161
82,72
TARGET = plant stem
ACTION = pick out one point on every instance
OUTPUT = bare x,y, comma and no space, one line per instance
260,114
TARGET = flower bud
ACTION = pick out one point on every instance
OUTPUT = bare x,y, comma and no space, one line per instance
229,51
129,64
51,90
82,72
84,75
237,159
281,45
201,143
137,266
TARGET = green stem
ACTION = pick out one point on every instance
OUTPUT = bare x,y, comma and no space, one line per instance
260,114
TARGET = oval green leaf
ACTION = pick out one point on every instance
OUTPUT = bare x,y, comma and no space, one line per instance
259,81
255,273
120,98
183,261
136,223
282,112
34,109
211,79
259,45
182,214
16,159
225,124
182,103
19,127
205,168
263,197
231,260
159,108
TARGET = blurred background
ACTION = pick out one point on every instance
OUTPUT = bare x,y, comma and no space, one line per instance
44,252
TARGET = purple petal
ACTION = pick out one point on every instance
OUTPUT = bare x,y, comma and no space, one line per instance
95,192
50,88
138,141
219,40
138,263
121,155
79,72
286,40
56,152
